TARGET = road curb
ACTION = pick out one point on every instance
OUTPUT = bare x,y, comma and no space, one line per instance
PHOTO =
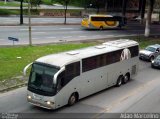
12,87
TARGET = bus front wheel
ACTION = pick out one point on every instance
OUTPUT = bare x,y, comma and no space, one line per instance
72,100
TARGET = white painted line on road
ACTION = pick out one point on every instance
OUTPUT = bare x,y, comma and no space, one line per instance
11,20
65,28
9,26
110,35
47,20
96,36
82,36
67,37
26,29
35,38
39,32
51,37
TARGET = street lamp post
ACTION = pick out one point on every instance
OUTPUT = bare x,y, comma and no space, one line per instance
29,22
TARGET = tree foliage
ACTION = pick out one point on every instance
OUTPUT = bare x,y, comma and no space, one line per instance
35,3
149,14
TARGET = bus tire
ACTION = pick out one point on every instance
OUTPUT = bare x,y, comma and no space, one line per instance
126,78
119,81
101,28
72,99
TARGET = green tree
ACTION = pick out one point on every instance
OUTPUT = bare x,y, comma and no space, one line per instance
65,4
149,16
35,3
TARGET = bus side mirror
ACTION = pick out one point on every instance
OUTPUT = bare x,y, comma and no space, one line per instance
25,69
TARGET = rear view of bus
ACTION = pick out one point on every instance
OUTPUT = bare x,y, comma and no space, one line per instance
102,22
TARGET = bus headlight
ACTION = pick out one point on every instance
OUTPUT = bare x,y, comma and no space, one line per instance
48,102
29,97
152,61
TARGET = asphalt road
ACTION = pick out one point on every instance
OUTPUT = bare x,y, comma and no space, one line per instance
38,20
141,94
65,33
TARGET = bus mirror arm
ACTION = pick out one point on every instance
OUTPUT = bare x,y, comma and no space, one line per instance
55,76
25,69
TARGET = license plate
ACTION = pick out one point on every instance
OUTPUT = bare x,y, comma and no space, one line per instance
37,97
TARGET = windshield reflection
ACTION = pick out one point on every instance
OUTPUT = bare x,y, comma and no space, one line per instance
151,49
41,78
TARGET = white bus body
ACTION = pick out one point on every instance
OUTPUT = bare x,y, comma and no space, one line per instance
82,72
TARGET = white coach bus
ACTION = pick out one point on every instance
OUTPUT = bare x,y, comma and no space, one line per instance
64,78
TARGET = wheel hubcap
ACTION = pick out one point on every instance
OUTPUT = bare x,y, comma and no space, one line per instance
126,78
73,99
120,82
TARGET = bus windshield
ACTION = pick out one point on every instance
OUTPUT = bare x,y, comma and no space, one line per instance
41,79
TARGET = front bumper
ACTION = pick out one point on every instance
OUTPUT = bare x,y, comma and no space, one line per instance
42,104
155,65
40,101
144,57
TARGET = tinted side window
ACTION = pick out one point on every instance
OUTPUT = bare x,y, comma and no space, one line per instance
89,64
100,60
97,18
72,70
113,57
134,51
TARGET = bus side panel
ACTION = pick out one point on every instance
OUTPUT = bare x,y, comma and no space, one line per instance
111,24
93,81
121,68
104,24
134,67
96,24
113,73
64,94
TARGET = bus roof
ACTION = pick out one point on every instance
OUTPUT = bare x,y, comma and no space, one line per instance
64,58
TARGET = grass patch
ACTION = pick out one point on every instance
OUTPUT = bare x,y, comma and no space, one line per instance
11,4
9,12
47,2
143,41
12,66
